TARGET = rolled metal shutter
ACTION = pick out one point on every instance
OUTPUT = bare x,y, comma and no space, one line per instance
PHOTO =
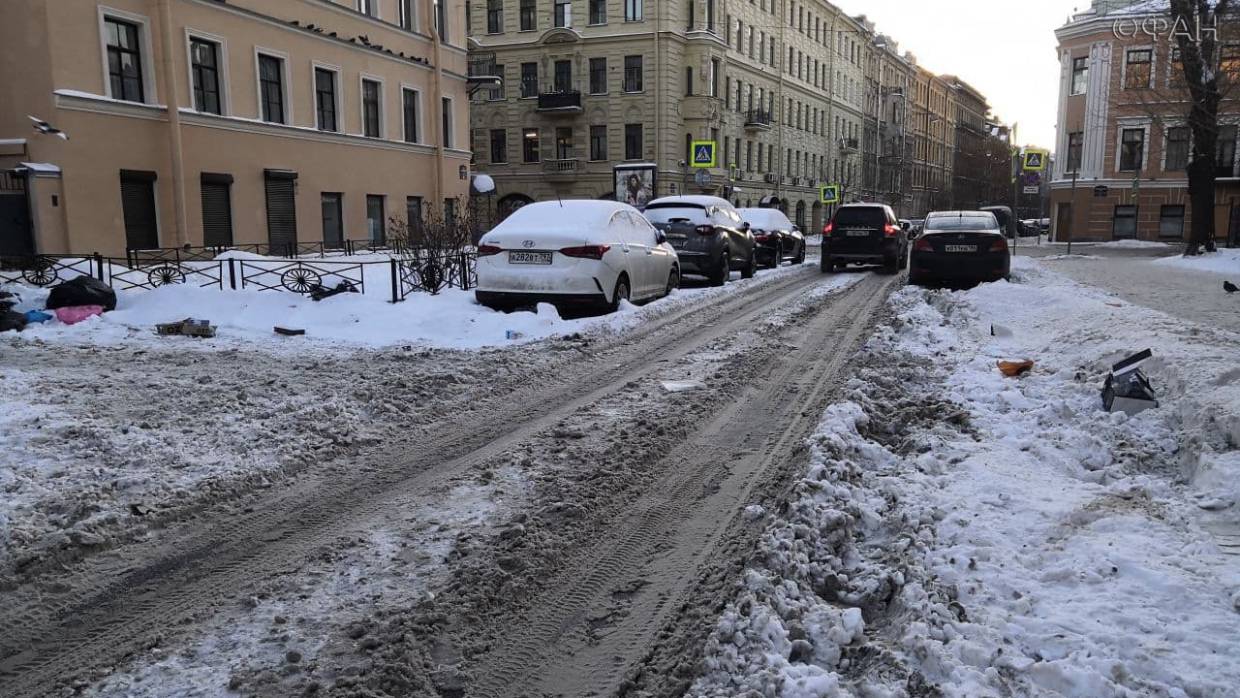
138,205
281,211
216,210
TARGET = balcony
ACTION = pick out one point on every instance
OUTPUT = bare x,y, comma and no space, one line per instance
849,145
560,102
758,120
559,170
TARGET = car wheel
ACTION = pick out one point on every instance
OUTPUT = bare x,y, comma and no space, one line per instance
673,282
719,276
827,264
800,258
891,266
778,255
621,293
751,266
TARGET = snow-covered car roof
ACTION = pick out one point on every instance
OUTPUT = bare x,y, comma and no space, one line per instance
568,216
694,199
765,218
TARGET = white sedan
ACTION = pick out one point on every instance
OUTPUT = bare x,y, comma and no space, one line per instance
572,254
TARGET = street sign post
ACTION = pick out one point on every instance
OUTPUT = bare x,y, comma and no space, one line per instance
829,193
701,178
703,154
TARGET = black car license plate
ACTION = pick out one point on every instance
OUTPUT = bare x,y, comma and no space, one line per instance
516,257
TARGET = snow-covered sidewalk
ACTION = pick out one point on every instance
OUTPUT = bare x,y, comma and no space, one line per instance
994,536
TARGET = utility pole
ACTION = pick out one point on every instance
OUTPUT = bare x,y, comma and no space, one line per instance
1071,210
1016,167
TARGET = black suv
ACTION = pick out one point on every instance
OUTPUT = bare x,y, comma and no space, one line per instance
709,236
864,233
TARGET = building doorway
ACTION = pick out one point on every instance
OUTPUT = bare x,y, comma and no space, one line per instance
333,220
281,211
138,206
1063,222
16,234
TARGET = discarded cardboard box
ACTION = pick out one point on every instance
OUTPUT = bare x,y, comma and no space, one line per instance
1127,389
188,327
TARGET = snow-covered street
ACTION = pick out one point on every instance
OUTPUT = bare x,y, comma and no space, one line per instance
800,485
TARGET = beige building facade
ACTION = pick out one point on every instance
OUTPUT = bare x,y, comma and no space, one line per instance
202,122
1123,141
594,85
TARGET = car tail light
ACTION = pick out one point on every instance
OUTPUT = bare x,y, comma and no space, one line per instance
999,245
923,245
488,250
891,230
830,226
705,230
586,251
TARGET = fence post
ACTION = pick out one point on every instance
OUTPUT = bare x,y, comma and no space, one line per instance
232,274
395,281
99,266
464,271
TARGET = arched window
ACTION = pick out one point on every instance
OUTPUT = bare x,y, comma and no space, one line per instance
801,215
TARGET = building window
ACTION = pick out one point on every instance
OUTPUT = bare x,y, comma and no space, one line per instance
1125,222
271,87
325,99
1132,149
216,209
530,148
441,20
710,15
632,73
563,76
1137,65
370,109
528,14
497,93
1080,75
1229,62
374,218
1076,146
689,80
404,9
495,16
368,7
499,145
564,143
413,213
713,79
447,122
598,142
449,211
632,10
632,141
563,15
1225,151
409,114
1171,222
204,67
124,60
598,76
1177,148
598,11
529,79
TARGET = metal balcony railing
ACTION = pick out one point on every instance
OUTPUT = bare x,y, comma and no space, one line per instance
757,118
560,100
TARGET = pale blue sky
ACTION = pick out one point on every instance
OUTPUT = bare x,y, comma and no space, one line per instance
1004,48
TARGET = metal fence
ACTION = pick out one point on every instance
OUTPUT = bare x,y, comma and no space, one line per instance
293,250
415,271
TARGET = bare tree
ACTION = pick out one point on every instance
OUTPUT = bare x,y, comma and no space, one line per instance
1193,29
431,252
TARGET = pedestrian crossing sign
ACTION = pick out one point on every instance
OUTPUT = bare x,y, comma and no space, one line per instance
1035,160
829,193
703,154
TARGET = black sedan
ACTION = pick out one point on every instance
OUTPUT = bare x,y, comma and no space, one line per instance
957,247
778,239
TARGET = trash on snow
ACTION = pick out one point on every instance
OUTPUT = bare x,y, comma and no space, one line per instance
10,320
188,327
997,330
1127,389
513,334
289,332
79,291
37,316
73,314
682,386
1011,369
319,292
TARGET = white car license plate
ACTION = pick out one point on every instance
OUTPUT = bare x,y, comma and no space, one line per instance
960,248
677,241
515,257
858,233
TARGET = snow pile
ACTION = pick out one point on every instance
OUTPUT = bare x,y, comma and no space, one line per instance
451,319
1134,245
1004,536
1225,261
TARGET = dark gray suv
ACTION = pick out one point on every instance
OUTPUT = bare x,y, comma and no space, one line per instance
864,233
709,236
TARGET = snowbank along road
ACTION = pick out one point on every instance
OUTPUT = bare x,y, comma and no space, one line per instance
608,512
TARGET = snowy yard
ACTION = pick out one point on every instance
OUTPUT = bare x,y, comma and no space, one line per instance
1000,536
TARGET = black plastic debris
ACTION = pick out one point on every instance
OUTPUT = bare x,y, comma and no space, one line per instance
82,290
10,320
318,292
289,332
1127,389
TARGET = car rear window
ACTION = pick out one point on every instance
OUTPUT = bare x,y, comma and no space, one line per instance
868,217
667,214
986,222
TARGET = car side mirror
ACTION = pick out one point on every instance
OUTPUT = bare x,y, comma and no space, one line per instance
660,237
745,226
905,226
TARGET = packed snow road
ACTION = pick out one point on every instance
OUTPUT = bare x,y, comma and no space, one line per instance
536,509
